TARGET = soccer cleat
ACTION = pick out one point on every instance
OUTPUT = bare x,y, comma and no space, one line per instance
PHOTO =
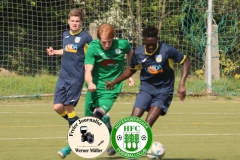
106,120
64,152
111,151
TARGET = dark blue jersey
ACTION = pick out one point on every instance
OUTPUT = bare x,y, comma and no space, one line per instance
74,48
157,73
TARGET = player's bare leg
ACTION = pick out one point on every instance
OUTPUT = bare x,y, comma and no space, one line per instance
60,109
137,112
153,115
71,117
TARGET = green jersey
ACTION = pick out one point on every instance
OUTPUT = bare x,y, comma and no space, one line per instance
107,64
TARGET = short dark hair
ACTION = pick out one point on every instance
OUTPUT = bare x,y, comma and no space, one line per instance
150,31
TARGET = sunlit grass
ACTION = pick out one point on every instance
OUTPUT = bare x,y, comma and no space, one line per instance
45,84
200,128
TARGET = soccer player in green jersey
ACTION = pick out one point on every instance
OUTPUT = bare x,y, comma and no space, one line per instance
104,61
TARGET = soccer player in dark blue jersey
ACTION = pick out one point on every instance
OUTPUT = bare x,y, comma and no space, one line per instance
155,60
71,77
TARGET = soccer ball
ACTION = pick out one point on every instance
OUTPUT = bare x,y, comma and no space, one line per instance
156,152
119,137
143,137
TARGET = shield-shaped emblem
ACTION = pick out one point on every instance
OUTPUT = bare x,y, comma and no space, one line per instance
117,51
77,39
159,58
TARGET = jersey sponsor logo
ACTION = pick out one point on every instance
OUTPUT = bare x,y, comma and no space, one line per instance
108,62
77,39
159,58
154,69
66,36
71,48
117,51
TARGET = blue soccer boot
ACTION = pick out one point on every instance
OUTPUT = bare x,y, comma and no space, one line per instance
64,152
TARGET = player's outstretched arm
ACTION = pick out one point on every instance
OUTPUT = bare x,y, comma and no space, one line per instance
181,88
126,74
52,52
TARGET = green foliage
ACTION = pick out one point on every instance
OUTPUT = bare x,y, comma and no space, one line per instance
118,18
26,37
28,27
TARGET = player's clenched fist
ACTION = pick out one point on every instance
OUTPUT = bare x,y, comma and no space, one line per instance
109,85
50,51
91,87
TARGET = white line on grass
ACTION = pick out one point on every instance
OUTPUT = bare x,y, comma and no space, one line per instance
189,123
30,112
51,104
171,135
232,101
27,112
158,135
195,113
6,139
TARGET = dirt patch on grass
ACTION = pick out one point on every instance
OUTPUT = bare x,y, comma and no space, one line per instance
4,72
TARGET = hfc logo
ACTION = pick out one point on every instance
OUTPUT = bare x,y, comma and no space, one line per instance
131,137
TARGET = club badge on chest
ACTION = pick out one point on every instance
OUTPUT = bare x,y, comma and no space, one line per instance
77,39
159,58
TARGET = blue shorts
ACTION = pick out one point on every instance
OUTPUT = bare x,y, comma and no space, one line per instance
145,100
67,92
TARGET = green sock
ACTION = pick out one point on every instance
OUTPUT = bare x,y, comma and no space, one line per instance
104,119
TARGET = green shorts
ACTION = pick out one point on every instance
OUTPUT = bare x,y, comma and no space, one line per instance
94,100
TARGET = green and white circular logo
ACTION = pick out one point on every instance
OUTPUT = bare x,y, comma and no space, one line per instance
88,137
131,137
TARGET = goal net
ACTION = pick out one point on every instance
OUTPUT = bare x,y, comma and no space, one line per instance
30,26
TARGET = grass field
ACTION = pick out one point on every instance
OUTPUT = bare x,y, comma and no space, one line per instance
205,128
